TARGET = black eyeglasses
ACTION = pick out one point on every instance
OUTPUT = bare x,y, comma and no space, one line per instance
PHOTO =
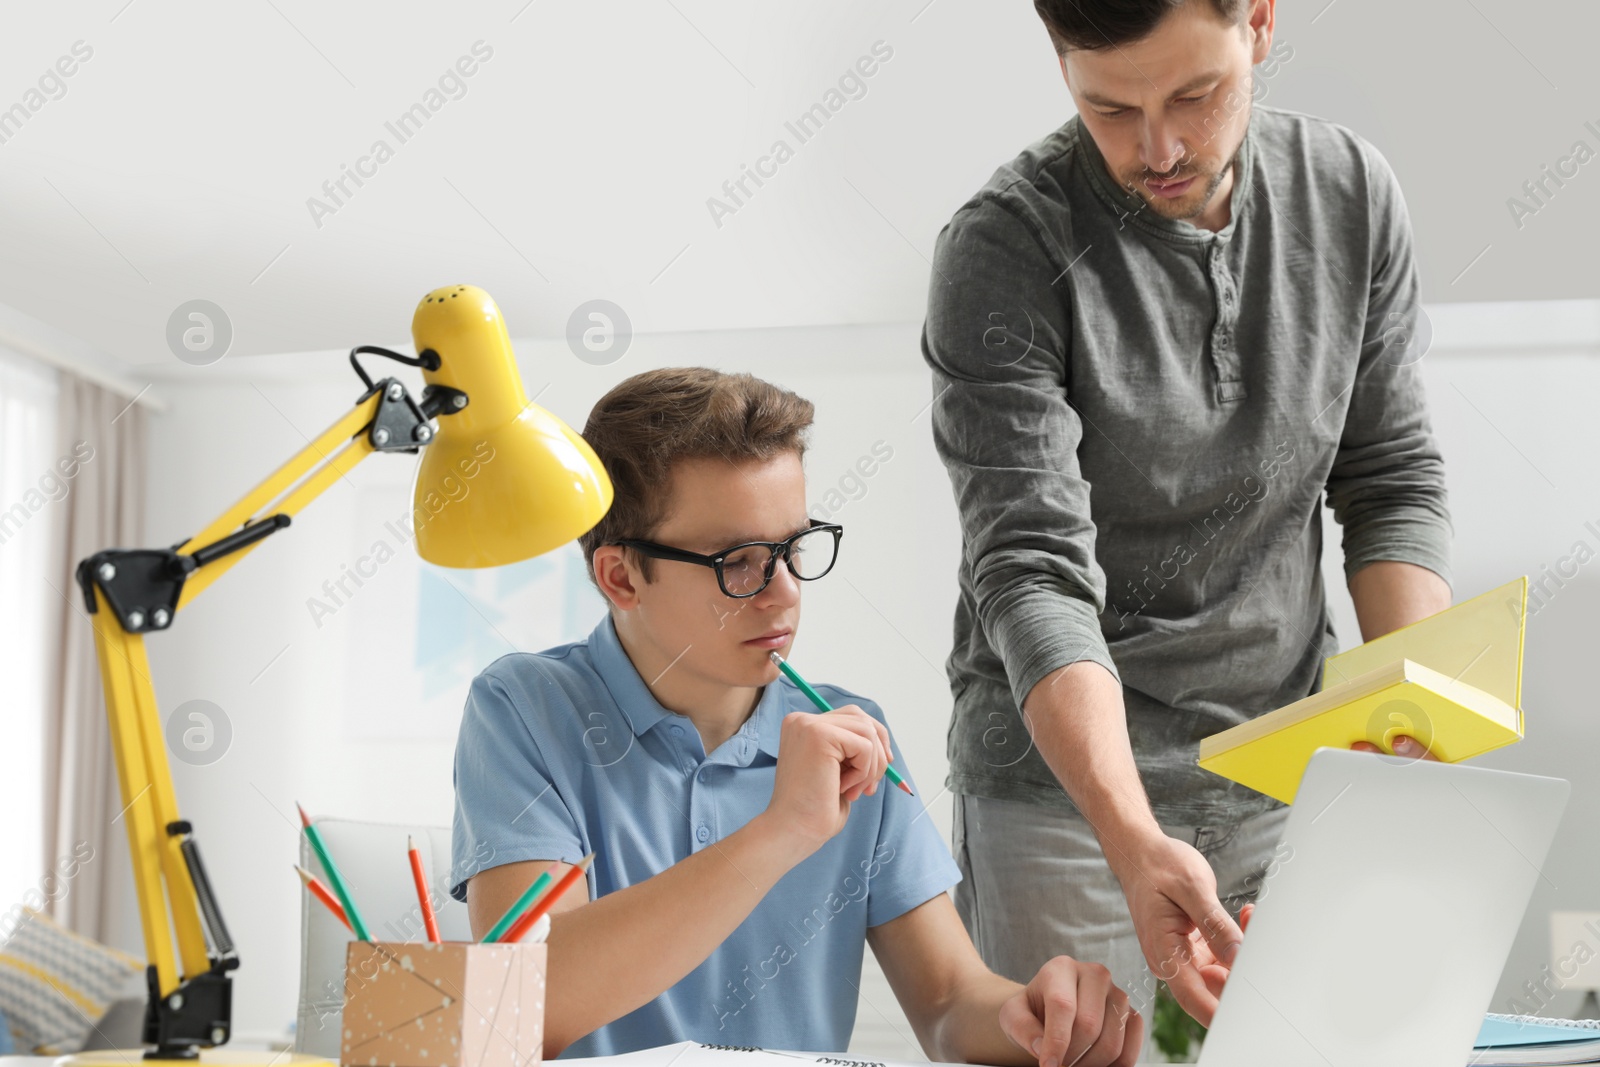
744,570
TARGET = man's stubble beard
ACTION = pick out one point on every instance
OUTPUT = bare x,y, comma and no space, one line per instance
1188,207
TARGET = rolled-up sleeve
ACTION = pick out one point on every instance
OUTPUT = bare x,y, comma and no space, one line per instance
1387,485
996,337
510,806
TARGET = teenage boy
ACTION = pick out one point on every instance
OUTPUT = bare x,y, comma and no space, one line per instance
746,847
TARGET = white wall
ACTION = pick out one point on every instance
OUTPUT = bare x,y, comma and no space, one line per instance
1515,425
631,114
1520,438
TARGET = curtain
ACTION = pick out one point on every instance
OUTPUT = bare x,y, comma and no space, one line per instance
105,432
29,550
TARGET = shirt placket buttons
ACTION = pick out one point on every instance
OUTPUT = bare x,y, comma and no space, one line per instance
1222,356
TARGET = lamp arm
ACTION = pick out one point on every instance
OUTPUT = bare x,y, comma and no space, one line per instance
141,590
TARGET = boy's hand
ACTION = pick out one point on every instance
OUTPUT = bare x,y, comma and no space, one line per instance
825,761
1071,1014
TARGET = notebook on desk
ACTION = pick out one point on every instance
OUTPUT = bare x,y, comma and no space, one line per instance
1533,1041
698,1054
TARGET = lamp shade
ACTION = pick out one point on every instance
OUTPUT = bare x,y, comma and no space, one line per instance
504,479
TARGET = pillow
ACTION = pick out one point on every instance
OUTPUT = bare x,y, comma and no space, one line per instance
55,985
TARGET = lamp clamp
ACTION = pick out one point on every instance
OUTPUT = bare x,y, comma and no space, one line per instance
196,1015
143,585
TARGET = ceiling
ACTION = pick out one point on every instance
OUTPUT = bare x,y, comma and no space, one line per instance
185,156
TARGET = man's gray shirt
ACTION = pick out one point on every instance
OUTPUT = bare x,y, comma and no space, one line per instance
1140,418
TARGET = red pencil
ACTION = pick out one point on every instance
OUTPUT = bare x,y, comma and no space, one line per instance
320,891
418,877
546,902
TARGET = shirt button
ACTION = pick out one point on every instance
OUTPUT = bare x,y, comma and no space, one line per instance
677,730
704,833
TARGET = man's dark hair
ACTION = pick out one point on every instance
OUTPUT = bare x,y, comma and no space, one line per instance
1093,25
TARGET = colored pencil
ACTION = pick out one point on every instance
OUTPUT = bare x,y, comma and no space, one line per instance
548,901
513,913
357,927
822,705
320,891
428,918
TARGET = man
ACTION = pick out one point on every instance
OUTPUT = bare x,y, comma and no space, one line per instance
745,847
1157,337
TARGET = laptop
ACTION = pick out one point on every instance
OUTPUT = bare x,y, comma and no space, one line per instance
1380,937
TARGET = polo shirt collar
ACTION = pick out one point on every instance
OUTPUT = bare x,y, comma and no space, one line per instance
768,716
618,674
644,712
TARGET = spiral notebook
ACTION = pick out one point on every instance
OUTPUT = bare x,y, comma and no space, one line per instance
1533,1041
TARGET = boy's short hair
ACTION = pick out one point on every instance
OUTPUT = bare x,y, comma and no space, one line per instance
652,420
1095,25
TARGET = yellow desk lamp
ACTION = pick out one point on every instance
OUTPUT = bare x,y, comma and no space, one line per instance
533,485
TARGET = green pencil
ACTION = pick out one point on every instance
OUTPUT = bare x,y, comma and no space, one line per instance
514,912
822,705
334,878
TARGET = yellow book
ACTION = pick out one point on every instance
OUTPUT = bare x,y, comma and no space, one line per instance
1453,681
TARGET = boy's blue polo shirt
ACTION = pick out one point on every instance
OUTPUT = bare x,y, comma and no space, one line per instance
566,752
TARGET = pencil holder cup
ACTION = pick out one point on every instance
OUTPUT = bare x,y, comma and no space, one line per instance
454,1004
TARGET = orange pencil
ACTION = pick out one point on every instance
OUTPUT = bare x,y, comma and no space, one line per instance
320,891
352,916
546,902
418,877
